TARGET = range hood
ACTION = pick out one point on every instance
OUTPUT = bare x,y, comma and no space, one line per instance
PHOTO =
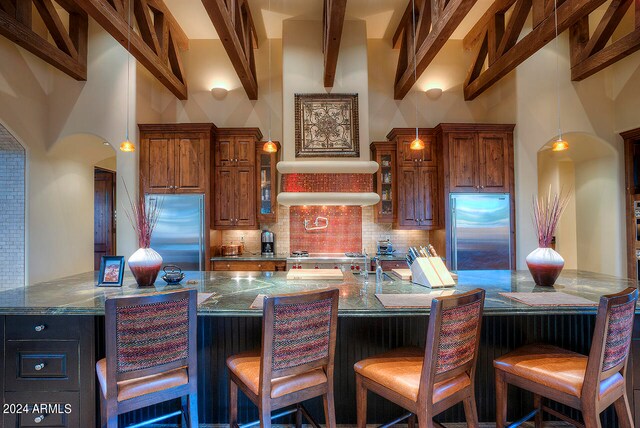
328,198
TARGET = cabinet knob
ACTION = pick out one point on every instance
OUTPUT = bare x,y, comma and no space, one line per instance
39,367
40,328
259,265
38,419
228,265
482,187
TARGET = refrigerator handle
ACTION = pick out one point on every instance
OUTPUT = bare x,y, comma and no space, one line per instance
201,235
454,242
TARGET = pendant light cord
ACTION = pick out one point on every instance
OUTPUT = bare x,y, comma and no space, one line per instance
415,59
555,12
128,64
269,77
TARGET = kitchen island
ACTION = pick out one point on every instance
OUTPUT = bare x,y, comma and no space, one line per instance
228,325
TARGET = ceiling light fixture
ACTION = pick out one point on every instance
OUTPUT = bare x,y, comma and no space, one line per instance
416,144
560,144
219,93
270,146
127,145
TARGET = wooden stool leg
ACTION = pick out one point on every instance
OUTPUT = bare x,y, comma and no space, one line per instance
265,414
411,422
233,404
298,416
591,418
537,403
501,400
103,411
329,408
425,420
112,420
192,407
470,411
623,411
361,402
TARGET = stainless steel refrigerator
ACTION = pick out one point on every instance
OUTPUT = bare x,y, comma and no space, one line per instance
179,233
480,231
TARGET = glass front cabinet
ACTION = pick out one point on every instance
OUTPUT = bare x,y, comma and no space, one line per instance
384,153
267,184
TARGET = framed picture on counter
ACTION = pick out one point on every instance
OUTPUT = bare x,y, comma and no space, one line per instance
326,125
111,271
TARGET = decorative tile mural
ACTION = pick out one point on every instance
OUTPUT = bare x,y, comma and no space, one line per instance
343,233
327,182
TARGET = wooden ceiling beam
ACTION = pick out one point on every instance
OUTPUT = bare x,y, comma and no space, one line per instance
437,28
333,21
113,18
569,12
176,30
69,53
590,54
237,35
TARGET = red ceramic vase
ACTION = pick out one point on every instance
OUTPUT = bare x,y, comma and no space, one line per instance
545,265
145,264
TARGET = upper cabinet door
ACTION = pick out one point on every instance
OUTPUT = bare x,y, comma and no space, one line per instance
224,200
244,151
493,150
245,197
189,160
409,203
424,157
157,160
463,158
225,151
429,197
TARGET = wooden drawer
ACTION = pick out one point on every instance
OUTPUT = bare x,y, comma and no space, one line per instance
391,264
42,327
59,409
231,265
33,365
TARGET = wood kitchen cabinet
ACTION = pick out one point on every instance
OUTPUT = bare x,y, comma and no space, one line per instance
384,180
174,158
418,202
234,178
267,183
479,157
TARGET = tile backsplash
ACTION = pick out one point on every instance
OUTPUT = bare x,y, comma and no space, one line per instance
343,231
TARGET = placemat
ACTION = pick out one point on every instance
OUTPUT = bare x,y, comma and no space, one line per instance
203,296
258,302
549,298
421,300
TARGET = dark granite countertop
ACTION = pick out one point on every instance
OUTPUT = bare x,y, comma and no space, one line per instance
233,292
249,258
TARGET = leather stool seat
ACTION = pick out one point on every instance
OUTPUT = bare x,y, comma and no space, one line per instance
400,370
553,367
137,387
247,367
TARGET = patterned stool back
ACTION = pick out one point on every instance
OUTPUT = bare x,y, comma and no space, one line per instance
612,336
150,334
453,337
299,332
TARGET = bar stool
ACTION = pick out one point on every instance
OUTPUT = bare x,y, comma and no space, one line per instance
586,383
151,355
296,360
428,381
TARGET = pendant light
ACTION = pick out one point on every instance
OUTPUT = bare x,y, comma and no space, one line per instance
127,145
270,146
416,144
560,144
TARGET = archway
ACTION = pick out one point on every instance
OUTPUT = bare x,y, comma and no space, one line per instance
12,214
590,232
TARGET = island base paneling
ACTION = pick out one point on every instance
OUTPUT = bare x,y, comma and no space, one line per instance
360,337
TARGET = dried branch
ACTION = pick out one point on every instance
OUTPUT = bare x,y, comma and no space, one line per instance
143,217
546,215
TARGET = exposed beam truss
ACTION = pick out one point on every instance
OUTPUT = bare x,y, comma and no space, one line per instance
333,21
436,20
495,41
68,52
157,42
590,54
234,24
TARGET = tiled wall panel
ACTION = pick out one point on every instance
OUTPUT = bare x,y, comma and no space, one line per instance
12,214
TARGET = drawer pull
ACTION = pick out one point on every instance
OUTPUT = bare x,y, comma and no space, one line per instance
40,328
39,367
38,419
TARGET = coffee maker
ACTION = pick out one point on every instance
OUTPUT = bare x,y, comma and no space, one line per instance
268,243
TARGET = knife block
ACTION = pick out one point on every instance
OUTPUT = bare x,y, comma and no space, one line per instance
432,273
